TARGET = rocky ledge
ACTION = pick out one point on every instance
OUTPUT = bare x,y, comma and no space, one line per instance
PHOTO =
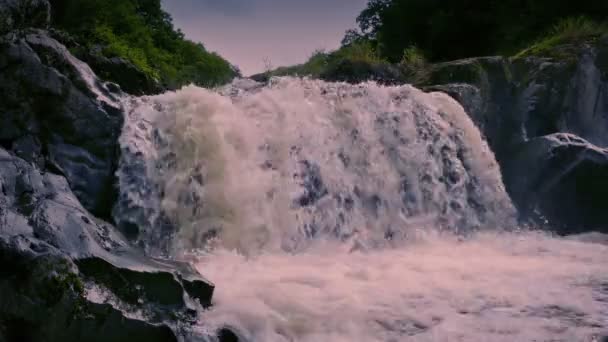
67,274
546,120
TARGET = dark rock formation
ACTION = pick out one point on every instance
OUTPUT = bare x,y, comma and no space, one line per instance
62,262
118,70
520,105
562,178
57,114
67,275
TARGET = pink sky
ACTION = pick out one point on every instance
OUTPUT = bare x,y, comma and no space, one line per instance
247,32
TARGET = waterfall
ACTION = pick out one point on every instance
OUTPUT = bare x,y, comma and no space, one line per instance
336,212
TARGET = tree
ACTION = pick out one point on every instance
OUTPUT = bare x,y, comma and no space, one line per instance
454,29
141,32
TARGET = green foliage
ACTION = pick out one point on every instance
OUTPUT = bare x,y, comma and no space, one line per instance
361,51
572,31
315,65
114,46
415,65
142,33
413,57
448,30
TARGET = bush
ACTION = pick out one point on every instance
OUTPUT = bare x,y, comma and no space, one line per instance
359,52
142,33
314,67
415,66
448,30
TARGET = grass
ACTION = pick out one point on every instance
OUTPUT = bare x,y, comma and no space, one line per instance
570,31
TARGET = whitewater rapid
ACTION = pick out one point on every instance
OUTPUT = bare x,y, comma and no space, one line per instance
335,212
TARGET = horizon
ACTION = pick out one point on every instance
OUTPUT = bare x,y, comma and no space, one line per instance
249,34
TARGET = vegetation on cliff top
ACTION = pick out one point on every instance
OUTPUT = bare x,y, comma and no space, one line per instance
414,33
141,32
570,31
466,28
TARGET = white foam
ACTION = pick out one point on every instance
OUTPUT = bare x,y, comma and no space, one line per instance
333,209
494,287
274,167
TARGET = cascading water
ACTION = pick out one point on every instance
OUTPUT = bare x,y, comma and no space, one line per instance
335,212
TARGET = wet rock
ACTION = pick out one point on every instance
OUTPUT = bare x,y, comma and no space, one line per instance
122,72
64,264
522,106
312,182
56,113
227,335
44,299
562,179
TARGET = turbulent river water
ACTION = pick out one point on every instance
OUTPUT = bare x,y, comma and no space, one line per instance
334,212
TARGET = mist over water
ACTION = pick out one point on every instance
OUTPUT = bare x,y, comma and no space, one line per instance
335,212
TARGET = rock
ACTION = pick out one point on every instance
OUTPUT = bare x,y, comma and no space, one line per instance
561,177
521,105
120,71
227,335
62,262
44,299
525,98
56,113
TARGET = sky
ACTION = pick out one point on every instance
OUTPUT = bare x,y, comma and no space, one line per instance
251,33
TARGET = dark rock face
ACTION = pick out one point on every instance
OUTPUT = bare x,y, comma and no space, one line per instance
66,274
120,71
563,178
56,113
520,106
517,100
62,262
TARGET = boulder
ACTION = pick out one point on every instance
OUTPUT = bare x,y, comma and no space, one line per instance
69,276
522,106
56,113
519,99
562,179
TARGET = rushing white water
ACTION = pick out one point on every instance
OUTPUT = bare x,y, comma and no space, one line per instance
490,288
334,212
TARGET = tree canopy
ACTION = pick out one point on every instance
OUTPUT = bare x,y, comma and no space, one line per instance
143,33
453,29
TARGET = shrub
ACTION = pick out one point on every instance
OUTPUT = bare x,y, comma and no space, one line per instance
448,30
142,33
360,51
